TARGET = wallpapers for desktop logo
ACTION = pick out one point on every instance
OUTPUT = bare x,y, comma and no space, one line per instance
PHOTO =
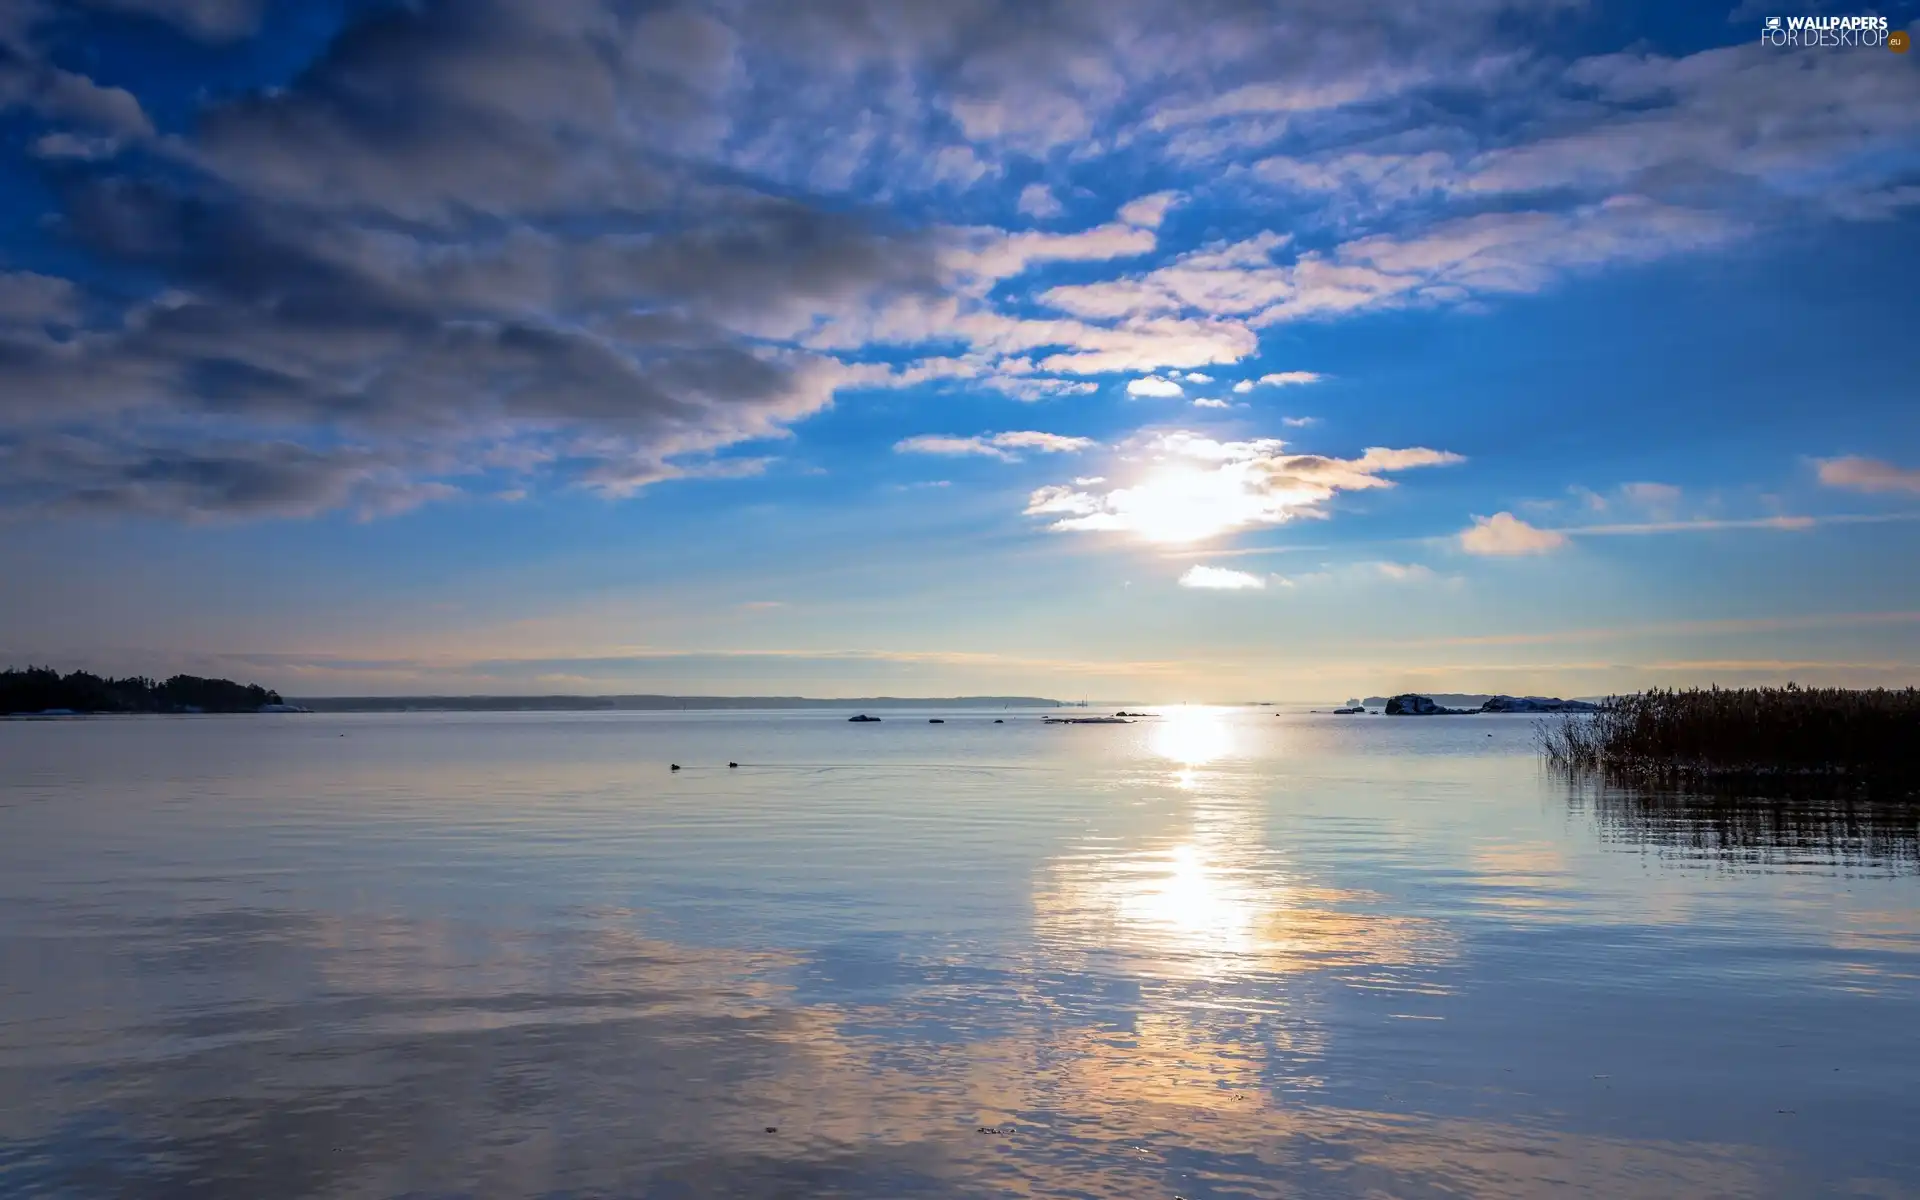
1837,32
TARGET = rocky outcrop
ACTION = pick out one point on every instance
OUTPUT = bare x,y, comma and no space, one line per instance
1414,705
1410,705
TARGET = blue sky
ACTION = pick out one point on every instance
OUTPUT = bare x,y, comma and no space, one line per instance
1210,351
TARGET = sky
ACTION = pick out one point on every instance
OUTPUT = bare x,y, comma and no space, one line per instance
1205,350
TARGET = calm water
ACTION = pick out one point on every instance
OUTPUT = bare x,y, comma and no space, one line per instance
1224,954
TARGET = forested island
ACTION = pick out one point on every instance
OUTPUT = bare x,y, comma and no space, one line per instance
45,690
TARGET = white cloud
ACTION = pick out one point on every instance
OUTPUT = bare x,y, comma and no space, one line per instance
1299,422
1504,534
1046,443
1192,487
1153,386
1033,388
957,167
1038,201
1371,179
1089,480
1289,379
1149,211
1868,475
993,445
1286,96
1662,494
1221,579
985,253
1404,572
1244,386
1211,404
1453,262
1197,377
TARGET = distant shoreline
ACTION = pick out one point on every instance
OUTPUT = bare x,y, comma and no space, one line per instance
647,703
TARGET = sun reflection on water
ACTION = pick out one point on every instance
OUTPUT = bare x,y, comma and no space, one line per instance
1192,736
1210,899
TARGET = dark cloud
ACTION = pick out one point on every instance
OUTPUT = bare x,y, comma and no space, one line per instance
213,20
59,95
203,480
392,247
30,299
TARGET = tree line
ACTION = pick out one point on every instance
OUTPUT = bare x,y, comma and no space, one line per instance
37,689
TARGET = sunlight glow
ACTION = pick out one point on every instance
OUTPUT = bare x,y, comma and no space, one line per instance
1180,503
1193,736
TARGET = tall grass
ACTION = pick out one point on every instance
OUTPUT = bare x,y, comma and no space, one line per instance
1761,732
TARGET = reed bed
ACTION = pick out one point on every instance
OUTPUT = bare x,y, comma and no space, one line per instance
1781,733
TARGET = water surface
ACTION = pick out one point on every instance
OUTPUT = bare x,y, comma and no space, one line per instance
1226,953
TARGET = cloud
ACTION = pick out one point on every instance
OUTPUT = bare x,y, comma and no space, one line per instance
1197,377
30,299
210,20
1299,422
1203,403
1288,379
1149,211
1651,494
1504,534
1221,579
1835,136
210,480
995,445
993,254
1154,386
603,245
58,95
1404,572
1190,487
1868,475
1037,200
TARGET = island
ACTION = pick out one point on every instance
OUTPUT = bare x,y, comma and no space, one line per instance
43,691
1411,705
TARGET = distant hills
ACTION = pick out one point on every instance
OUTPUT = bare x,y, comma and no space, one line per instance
649,703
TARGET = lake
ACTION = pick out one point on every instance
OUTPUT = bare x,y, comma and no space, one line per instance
1229,952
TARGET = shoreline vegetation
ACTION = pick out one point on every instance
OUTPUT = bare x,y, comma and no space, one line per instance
38,691
1744,734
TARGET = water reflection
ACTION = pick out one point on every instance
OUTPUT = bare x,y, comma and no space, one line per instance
1177,958
1192,736
442,1057
1804,827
